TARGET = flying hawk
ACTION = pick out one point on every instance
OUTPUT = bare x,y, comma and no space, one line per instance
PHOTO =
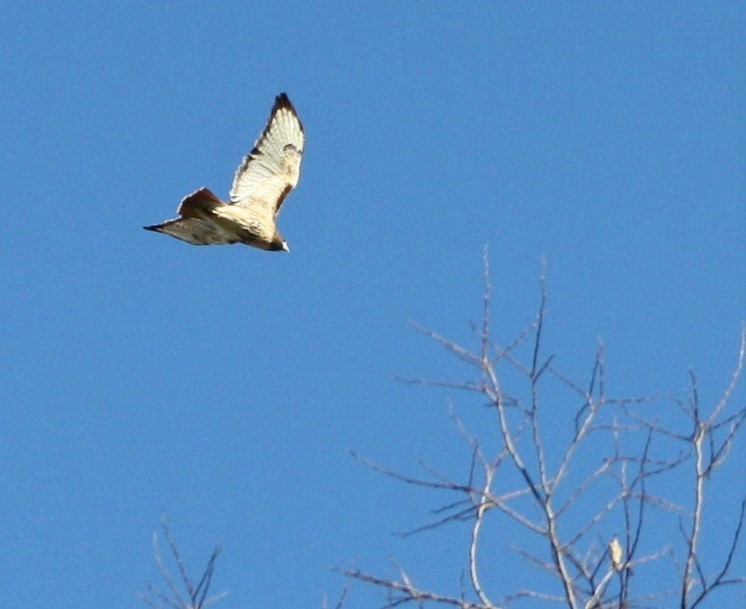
262,182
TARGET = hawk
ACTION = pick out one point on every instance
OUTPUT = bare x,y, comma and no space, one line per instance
262,182
616,553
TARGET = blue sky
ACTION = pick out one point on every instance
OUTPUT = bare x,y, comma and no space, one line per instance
225,384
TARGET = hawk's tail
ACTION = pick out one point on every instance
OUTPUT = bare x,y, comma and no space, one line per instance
199,204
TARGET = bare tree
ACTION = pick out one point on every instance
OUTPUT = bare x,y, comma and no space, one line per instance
191,596
581,515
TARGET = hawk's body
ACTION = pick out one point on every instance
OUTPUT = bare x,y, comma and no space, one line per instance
262,182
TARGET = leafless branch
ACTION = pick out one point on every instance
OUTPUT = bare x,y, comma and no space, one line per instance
404,591
632,452
481,508
192,597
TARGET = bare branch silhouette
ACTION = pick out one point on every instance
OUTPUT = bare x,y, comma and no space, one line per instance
592,501
191,596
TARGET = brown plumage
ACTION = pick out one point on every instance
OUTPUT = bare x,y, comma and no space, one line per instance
261,184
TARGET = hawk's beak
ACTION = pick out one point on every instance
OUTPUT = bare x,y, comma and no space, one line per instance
285,246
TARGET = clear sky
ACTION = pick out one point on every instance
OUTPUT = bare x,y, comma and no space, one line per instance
225,384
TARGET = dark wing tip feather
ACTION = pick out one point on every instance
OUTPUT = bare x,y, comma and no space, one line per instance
283,101
154,227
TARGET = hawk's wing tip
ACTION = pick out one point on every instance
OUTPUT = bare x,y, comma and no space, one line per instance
283,101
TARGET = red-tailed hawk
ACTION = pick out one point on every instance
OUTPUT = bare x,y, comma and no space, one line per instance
616,553
262,182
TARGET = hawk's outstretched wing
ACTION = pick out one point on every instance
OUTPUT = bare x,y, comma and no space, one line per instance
271,170
195,225
194,231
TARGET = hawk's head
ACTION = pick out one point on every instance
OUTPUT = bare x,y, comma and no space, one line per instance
278,244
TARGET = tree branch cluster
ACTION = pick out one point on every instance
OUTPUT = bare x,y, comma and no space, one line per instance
571,500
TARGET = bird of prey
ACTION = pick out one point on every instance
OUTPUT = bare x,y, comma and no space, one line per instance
262,182
616,554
